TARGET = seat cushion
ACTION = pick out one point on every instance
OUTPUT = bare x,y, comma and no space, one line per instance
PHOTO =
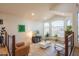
20,44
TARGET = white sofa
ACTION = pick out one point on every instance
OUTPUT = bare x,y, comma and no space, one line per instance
44,44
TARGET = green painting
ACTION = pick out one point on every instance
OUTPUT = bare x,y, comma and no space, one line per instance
21,28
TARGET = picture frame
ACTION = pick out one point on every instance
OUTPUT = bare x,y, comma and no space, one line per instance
21,28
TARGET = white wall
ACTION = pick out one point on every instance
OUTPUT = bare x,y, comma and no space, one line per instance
11,23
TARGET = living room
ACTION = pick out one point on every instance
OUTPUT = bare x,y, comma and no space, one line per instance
48,22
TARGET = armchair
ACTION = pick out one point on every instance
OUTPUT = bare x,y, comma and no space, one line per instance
22,49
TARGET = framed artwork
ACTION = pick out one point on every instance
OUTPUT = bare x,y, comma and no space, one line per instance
21,28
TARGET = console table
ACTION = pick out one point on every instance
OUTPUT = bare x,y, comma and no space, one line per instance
36,39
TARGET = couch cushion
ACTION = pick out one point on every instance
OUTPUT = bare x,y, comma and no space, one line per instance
20,44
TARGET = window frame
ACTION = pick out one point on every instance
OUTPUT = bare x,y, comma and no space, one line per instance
58,29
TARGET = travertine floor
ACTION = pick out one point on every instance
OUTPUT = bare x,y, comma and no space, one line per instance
37,51
76,52
50,51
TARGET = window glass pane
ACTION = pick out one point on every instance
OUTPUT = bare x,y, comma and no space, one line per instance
46,28
58,28
69,22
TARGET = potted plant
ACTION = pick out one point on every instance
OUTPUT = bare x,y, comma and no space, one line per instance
68,30
47,35
56,36
2,32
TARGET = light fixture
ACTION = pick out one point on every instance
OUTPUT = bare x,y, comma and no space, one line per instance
33,14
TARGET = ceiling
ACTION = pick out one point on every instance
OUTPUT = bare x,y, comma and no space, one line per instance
41,10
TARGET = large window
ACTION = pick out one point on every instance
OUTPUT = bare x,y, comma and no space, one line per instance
69,21
58,28
54,28
46,28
